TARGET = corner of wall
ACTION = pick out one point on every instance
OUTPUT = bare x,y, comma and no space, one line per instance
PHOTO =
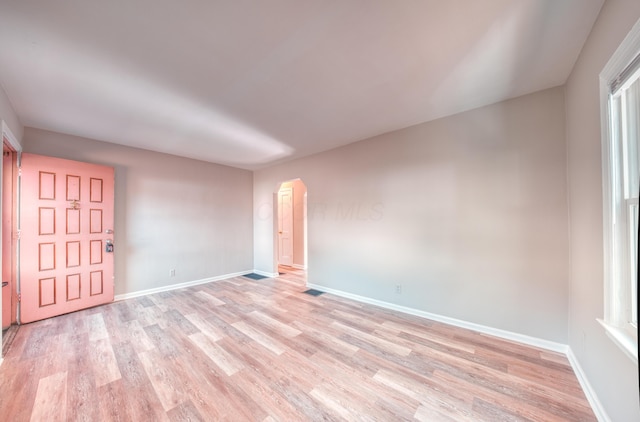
589,392
568,204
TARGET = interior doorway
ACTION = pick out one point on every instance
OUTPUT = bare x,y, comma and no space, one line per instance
291,225
9,302
9,202
285,226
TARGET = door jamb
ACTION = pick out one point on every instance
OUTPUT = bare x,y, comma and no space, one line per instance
9,139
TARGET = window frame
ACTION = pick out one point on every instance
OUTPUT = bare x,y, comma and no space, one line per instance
623,333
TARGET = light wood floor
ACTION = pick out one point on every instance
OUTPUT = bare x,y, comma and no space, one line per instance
262,350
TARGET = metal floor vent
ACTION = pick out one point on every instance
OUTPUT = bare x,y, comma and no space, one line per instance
255,276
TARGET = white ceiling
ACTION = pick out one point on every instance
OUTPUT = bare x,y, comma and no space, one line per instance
249,83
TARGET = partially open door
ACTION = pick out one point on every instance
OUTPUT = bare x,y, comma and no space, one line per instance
66,246
285,226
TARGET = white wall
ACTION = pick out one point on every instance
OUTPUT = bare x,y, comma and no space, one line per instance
171,212
8,114
612,375
467,213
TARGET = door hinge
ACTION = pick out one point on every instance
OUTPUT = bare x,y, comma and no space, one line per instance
19,297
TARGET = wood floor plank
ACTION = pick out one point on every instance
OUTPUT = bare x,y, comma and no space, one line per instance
260,337
18,388
143,403
185,412
36,344
96,327
280,327
453,404
51,399
211,391
137,336
209,298
262,390
335,404
103,362
514,398
180,323
165,383
373,340
151,315
112,401
426,413
386,403
325,340
81,381
163,340
247,350
425,334
225,361
205,327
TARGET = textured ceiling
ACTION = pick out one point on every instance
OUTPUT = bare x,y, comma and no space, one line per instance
249,83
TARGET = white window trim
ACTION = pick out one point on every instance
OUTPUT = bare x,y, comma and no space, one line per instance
622,339
625,53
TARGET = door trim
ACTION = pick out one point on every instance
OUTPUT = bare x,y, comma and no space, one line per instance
12,143
9,136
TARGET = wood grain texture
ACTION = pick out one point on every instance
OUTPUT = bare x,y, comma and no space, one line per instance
262,350
51,399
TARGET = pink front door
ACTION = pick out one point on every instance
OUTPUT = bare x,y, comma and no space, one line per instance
66,250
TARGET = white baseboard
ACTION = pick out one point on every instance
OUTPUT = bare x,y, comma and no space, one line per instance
589,392
266,274
178,286
507,335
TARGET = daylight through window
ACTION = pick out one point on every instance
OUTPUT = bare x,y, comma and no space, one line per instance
622,180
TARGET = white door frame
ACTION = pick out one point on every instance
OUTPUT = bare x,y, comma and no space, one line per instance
12,142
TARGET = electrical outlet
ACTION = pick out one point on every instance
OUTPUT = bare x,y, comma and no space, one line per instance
172,272
398,288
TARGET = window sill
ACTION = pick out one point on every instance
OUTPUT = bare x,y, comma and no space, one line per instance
622,339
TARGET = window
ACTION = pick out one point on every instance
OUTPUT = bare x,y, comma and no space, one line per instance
620,92
625,124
